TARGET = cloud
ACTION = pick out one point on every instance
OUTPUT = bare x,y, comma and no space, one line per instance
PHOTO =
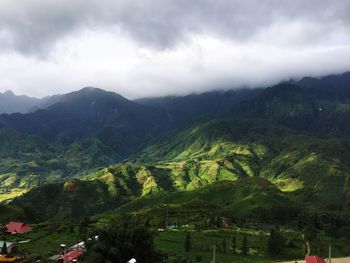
160,47
35,25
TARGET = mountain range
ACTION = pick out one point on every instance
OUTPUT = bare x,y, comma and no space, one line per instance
289,141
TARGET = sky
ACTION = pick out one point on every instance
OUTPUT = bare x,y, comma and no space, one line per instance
142,48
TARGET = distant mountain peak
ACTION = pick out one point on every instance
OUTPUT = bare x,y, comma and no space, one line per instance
9,93
11,103
91,89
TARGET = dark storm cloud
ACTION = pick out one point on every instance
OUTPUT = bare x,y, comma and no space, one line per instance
160,47
33,26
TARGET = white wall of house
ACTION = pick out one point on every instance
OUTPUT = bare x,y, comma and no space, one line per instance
9,245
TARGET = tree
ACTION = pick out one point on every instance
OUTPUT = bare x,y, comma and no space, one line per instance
120,241
234,244
4,248
83,228
224,245
301,222
245,247
3,229
276,243
188,242
316,221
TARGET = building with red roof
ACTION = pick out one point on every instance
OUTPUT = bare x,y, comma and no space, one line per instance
314,259
71,255
17,227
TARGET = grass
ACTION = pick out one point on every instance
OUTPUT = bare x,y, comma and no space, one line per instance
172,244
45,239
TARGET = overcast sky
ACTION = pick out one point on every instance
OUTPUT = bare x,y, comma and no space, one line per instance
160,47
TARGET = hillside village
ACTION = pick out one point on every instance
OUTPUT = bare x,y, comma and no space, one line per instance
16,235
10,251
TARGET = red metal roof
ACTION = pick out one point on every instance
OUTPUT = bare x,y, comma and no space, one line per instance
74,254
314,259
17,227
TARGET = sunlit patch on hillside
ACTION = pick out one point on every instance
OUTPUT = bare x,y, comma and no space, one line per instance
289,184
8,195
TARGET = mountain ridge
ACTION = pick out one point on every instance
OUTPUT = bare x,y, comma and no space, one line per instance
279,134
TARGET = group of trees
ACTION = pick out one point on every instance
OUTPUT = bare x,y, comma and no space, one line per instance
4,248
276,243
121,241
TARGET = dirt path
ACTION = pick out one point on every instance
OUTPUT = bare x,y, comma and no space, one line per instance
334,260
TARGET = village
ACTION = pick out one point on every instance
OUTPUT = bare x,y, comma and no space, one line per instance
9,252
12,231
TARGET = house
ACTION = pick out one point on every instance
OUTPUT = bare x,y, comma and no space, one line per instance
71,255
73,252
314,259
80,245
55,257
172,226
17,227
9,245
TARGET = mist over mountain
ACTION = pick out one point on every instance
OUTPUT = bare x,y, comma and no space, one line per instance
332,83
180,110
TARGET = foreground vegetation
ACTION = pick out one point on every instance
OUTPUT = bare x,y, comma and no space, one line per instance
179,243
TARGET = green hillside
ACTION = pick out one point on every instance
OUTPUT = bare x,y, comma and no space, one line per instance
89,129
315,169
282,158
250,197
68,200
294,137
30,161
280,135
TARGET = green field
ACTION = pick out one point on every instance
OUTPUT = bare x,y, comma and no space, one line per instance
172,244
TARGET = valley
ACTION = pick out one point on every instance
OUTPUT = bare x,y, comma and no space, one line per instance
216,165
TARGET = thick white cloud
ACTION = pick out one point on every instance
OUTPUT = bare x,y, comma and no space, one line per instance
160,47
